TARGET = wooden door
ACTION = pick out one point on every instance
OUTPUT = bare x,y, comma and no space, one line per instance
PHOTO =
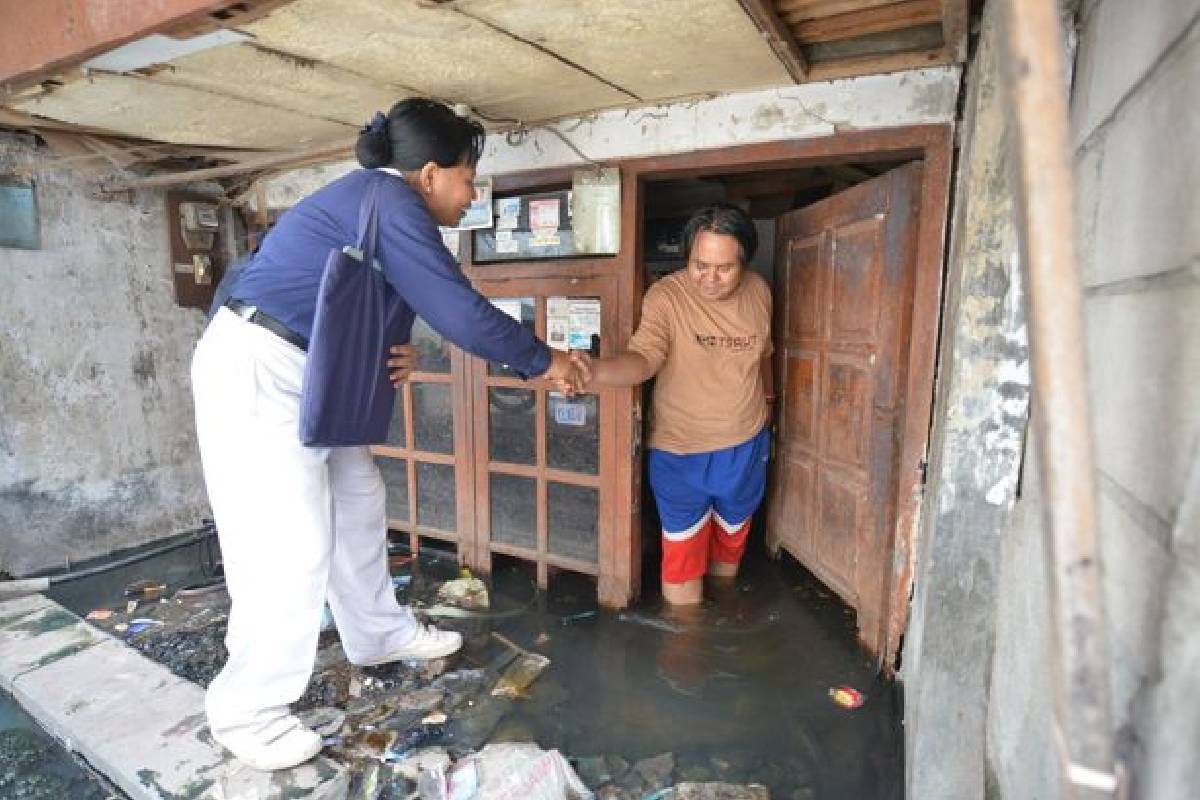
845,275
426,461
541,459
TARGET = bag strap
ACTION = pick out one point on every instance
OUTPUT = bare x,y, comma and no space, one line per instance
368,223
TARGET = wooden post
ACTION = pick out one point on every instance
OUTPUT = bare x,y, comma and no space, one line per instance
1037,94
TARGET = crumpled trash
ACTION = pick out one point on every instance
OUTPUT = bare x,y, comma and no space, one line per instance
847,696
146,590
523,771
136,626
719,791
465,592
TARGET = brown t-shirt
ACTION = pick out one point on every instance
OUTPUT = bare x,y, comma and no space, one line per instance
709,391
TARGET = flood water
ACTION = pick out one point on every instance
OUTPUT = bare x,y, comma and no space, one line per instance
737,691
35,767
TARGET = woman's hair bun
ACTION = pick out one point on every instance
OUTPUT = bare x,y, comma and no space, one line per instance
374,146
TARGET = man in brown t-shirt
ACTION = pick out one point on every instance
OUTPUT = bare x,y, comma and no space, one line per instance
705,333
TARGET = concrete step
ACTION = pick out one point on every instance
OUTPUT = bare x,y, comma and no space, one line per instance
135,722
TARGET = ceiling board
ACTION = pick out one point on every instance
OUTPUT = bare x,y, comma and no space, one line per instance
136,106
249,72
436,51
659,50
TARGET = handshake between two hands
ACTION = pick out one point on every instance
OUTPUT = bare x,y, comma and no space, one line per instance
570,373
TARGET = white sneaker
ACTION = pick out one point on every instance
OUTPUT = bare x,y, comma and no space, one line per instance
429,642
295,745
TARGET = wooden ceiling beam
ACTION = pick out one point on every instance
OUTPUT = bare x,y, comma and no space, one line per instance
786,48
334,151
792,11
41,38
956,19
884,19
878,65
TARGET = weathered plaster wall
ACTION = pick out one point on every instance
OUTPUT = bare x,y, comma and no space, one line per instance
981,409
97,447
1136,125
788,112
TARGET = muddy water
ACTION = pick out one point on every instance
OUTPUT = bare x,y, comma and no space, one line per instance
35,767
737,691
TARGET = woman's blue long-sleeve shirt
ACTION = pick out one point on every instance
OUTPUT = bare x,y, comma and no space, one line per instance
283,277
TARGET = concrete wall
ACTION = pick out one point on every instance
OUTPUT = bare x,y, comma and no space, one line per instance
981,408
97,446
1136,128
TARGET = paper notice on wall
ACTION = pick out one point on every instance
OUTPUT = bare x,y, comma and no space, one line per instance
545,237
584,326
558,322
508,213
509,305
567,413
543,214
505,243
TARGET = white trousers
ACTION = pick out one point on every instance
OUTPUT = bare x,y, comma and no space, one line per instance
298,526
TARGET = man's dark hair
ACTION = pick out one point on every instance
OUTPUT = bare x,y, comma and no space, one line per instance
726,219
417,131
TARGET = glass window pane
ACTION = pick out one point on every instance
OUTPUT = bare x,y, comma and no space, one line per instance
436,505
513,501
433,417
523,309
574,521
395,480
396,429
511,425
573,433
433,352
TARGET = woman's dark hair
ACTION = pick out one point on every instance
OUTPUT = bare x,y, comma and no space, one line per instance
417,131
726,219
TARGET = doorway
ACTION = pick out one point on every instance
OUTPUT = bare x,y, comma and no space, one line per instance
855,317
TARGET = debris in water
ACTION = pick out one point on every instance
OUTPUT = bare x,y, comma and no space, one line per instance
200,589
100,614
515,681
325,720
465,592
131,607
138,625
582,615
652,622
847,697
145,590
412,739
401,581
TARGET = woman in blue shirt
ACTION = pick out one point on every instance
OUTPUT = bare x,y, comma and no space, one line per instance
300,526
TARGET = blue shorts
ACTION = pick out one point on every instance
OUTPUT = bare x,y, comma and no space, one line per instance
729,482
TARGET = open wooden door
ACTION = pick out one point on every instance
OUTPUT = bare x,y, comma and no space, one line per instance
845,276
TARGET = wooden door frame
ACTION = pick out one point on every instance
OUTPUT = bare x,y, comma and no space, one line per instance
932,144
620,570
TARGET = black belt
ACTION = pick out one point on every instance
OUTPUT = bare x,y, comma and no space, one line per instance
261,318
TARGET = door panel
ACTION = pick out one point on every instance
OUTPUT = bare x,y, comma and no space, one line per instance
846,271
539,494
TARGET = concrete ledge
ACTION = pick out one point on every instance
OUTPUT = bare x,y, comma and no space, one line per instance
133,720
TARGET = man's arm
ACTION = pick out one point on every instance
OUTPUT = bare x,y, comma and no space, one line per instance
626,369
